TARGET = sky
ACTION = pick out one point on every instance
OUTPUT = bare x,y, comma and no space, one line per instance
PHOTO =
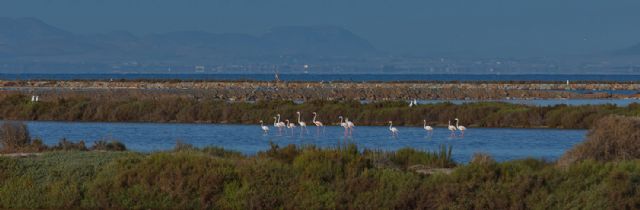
418,27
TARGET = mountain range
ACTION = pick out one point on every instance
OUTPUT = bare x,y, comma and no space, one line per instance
31,39
31,45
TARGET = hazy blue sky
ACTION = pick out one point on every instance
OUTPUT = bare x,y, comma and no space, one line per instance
465,27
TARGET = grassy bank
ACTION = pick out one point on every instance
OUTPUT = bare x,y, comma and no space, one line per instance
294,178
181,109
601,173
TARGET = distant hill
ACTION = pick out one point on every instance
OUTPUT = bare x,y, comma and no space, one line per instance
29,38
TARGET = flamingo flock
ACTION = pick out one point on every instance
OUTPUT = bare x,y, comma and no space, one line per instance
349,126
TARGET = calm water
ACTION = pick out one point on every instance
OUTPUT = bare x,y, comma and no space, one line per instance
331,77
502,144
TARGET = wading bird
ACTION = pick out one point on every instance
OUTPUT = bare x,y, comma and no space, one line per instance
290,125
427,128
265,129
316,122
394,130
350,126
452,129
460,128
343,124
303,125
278,124
413,103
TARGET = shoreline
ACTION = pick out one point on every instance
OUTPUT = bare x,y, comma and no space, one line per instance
332,91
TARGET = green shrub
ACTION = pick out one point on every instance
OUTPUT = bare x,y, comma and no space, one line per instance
14,136
310,178
611,138
65,144
161,181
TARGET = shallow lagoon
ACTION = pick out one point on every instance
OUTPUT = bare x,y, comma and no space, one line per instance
501,143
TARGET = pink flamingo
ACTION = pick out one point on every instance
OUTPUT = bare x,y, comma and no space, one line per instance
265,129
428,128
452,129
290,126
303,125
394,130
317,123
460,128
350,126
344,125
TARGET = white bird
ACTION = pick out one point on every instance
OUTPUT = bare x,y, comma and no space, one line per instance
302,124
410,103
265,129
344,125
278,124
290,125
394,130
427,128
452,129
350,125
317,123
460,127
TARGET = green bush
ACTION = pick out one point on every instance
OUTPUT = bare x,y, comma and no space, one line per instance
611,138
162,181
14,136
310,178
108,146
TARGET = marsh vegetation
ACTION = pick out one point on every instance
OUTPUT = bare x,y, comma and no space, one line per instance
185,109
344,177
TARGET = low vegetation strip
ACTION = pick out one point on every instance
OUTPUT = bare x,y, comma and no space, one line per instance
337,91
188,110
309,178
344,177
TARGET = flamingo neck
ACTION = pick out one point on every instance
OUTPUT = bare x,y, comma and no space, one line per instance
457,123
298,117
390,125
